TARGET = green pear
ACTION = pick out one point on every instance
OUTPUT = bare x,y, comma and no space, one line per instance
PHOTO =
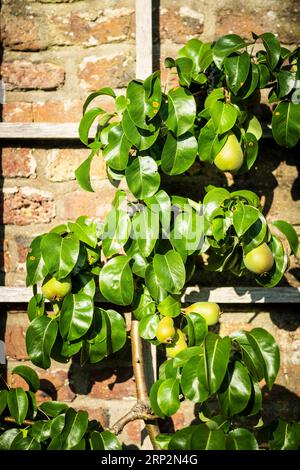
178,345
165,330
259,260
230,157
210,311
56,290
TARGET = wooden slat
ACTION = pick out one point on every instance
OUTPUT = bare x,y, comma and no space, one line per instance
221,295
143,20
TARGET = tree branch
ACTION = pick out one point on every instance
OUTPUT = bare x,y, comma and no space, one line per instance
9,419
139,411
139,375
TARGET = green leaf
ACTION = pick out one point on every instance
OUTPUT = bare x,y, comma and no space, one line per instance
216,357
286,124
241,439
182,439
53,408
169,307
273,48
213,200
290,233
187,233
235,391
60,253
237,70
197,328
168,396
286,436
102,91
116,281
181,111
223,116
35,265
153,284
153,398
251,82
200,53
76,424
116,153
215,95
40,430
86,123
163,441
209,142
148,326
104,440
144,100
140,138
184,69
145,225
82,173
36,306
225,46
40,337
17,402
264,75
271,278
25,443
286,82
254,127
191,385
7,438
85,230
204,438
179,153
251,360
142,177
254,405
116,232
111,334
76,316
267,351
250,151
244,217
29,375
161,204
170,271
255,235
143,304
3,400
184,356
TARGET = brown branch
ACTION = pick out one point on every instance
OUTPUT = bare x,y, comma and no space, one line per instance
139,411
8,419
140,382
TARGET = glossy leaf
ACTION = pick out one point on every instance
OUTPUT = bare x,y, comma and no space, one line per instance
140,138
187,233
182,439
17,403
116,152
40,430
116,281
153,284
244,216
216,357
145,225
168,396
25,443
213,199
286,124
191,384
35,265
102,91
60,253
3,400
197,328
225,46
29,375
7,438
271,278
250,358
181,111
179,153
272,46
76,316
36,306
148,326
267,351
76,424
204,438
290,233
286,436
53,408
85,230
82,173
116,232
143,304
237,69
169,307
40,337
241,439
153,398
142,177
251,83
170,271
200,53
86,123
223,116
104,440
209,142
235,391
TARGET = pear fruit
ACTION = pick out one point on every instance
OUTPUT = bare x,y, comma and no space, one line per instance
56,290
179,344
210,311
230,157
259,260
165,330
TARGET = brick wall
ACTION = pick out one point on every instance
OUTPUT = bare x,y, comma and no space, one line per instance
54,53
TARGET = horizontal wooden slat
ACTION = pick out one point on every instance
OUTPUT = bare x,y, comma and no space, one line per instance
53,131
221,295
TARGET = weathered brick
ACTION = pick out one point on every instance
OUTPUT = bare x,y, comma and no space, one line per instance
26,205
93,205
112,384
62,163
18,162
180,25
22,244
19,111
115,71
26,75
283,22
14,340
91,29
23,32
5,256
64,110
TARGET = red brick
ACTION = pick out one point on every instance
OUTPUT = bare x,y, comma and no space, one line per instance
91,204
112,384
23,243
14,339
22,74
90,29
133,432
17,162
180,25
115,71
5,256
283,22
64,110
19,111
23,206
23,32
